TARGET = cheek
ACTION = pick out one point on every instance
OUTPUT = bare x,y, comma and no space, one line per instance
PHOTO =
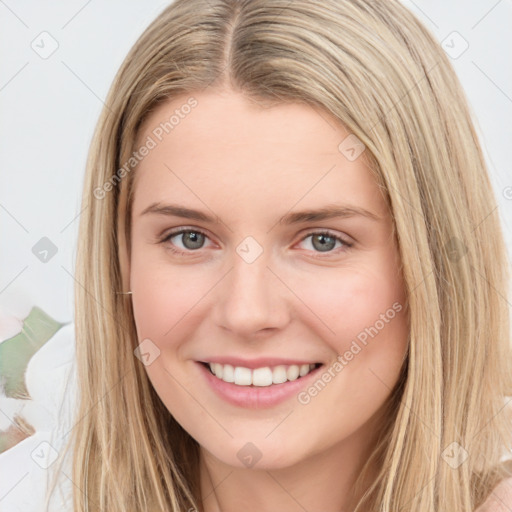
165,304
368,333
353,302
164,295
365,311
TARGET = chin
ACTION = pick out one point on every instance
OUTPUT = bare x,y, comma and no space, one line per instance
245,454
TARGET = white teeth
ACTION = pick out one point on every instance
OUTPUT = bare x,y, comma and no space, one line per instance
228,374
304,369
264,376
293,372
243,376
218,370
279,374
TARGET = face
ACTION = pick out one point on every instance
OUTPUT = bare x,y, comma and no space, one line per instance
261,245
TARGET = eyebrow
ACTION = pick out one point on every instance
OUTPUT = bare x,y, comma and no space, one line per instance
327,212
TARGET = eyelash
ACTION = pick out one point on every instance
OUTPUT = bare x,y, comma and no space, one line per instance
346,244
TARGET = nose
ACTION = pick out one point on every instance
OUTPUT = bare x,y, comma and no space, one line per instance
250,299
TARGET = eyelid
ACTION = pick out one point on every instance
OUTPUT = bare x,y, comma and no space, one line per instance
323,231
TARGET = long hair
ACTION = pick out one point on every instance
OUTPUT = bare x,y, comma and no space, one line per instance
376,68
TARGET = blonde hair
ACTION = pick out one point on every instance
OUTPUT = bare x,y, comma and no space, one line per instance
375,68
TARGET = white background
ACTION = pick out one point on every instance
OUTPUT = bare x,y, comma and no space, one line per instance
49,108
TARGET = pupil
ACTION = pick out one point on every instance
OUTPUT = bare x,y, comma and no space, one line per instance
195,239
323,245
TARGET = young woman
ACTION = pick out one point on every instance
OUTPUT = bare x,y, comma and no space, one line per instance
293,283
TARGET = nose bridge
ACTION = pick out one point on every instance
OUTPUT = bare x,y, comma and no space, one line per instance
251,298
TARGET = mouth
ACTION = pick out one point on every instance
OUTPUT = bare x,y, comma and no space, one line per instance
259,377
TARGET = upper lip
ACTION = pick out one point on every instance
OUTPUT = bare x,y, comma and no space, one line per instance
260,362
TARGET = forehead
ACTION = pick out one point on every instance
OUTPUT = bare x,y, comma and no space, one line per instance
229,152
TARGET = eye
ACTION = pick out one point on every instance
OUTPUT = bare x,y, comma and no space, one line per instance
194,239
191,240
325,241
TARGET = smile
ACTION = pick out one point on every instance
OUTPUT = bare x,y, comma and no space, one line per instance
264,376
260,386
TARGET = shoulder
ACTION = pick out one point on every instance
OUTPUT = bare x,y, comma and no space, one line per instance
500,499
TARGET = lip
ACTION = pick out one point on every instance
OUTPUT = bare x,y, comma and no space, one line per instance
260,362
255,397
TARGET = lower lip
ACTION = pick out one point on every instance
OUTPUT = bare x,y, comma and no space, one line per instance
256,397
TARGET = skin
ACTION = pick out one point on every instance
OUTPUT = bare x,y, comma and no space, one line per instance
248,166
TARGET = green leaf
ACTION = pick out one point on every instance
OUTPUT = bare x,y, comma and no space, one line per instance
15,353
